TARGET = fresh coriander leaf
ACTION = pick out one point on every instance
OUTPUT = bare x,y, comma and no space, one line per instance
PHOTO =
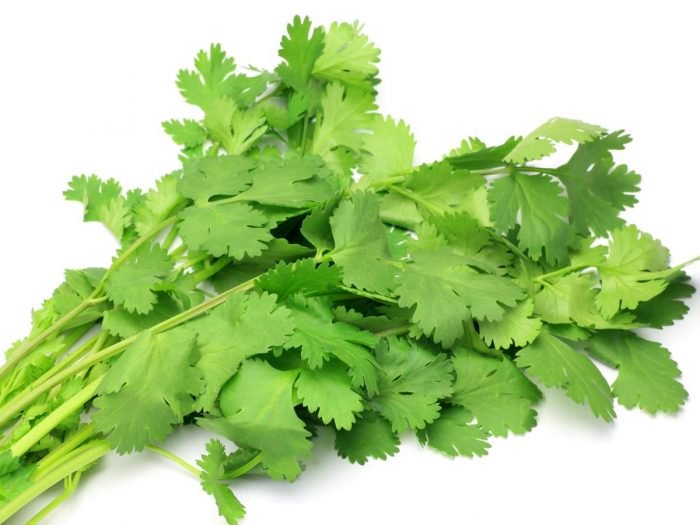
348,57
300,277
411,382
212,465
133,284
541,142
258,412
235,129
222,176
667,307
320,339
369,437
158,203
387,151
148,390
300,50
123,323
15,478
556,364
445,293
454,434
188,133
543,211
361,247
647,378
476,156
597,189
495,392
517,326
328,390
626,276
102,201
244,326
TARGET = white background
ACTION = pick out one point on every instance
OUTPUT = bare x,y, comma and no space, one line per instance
85,85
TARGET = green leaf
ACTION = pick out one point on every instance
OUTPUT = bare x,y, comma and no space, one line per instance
517,326
627,277
222,176
14,477
234,128
647,378
387,151
370,437
300,52
344,112
188,133
212,465
244,326
556,364
667,307
454,434
348,57
320,339
495,392
303,277
235,229
213,77
133,284
411,383
543,212
541,142
328,390
158,203
123,323
148,390
102,200
361,247
258,410
597,189
446,293
569,298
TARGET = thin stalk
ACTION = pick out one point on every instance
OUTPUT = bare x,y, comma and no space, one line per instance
243,469
396,330
54,419
175,459
212,269
20,402
59,453
29,345
88,455
170,238
70,483
304,134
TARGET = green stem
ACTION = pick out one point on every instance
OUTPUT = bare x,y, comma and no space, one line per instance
304,134
536,169
170,238
59,453
243,469
20,402
204,274
396,330
560,271
70,483
29,345
175,459
88,455
46,425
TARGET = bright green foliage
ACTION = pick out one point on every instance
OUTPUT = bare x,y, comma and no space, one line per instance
244,326
647,378
370,437
300,50
556,364
444,293
296,271
348,57
627,277
541,142
455,435
597,189
543,211
387,151
258,412
102,200
412,382
148,390
517,326
320,339
495,392
14,477
361,247
133,285
158,203
212,465
328,391
344,111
